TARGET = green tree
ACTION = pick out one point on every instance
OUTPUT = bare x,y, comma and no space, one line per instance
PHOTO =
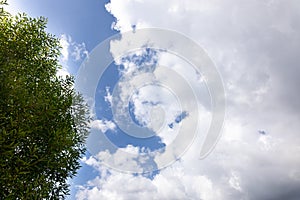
43,121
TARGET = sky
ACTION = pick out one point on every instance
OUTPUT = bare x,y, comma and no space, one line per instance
169,80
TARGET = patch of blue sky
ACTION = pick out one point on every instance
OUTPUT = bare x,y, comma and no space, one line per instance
85,21
145,60
133,117
150,168
122,139
108,81
132,109
178,118
181,116
88,171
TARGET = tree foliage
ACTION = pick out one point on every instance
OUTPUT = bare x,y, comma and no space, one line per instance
43,121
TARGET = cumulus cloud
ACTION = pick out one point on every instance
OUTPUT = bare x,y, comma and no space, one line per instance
171,183
103,125
70,51
65,41
255,46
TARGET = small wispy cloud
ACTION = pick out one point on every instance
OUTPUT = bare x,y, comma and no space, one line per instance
108,97
70,51
79,51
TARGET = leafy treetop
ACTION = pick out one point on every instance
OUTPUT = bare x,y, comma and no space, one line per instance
43,121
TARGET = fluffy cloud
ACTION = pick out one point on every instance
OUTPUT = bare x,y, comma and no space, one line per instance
65,41
171,183
103,125
255,46
71,51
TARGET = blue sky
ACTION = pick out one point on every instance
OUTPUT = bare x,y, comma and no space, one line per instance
254,47
86,22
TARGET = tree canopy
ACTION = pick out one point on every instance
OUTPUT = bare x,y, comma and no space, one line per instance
43,121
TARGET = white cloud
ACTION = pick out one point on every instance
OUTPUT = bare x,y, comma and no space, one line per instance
234,181
128,159
79,51
65,41
108,97
255,46
171,183
63,72
103,125
118,186
70,50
